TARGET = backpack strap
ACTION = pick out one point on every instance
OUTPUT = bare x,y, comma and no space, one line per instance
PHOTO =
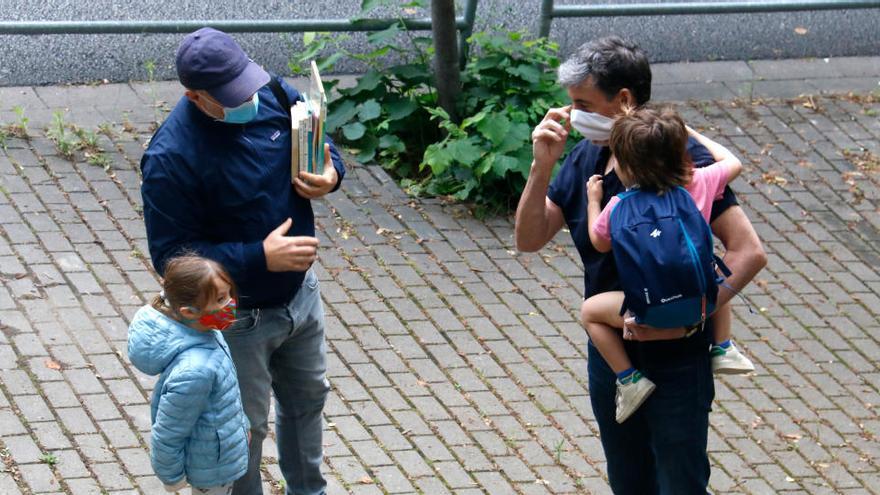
626,194
279,93
721,283
721,266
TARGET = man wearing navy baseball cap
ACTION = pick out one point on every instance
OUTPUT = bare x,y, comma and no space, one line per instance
217,181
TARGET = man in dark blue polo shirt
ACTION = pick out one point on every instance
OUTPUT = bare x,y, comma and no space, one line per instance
217,181
661,449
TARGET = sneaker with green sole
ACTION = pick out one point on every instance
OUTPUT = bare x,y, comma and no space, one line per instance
730,361
632,393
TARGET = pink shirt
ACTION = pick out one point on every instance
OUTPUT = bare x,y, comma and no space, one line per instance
706,186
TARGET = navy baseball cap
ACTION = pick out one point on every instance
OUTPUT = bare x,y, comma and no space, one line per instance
211,60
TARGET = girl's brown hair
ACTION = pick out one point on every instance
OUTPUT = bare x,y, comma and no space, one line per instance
189,281
651,146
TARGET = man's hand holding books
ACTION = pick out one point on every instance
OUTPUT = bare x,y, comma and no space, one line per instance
313,186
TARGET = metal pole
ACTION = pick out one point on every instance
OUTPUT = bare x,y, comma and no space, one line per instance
735,7
547,14
470,14
231,26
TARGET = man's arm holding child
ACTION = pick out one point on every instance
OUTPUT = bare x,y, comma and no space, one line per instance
744,254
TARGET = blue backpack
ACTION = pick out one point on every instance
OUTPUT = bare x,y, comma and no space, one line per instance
662,246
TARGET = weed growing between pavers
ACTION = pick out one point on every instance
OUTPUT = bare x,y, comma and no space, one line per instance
57,132
49,458
70,138
17,129
160,107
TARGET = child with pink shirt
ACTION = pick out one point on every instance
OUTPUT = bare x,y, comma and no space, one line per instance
649,148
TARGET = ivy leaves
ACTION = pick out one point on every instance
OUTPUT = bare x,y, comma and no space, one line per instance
391,115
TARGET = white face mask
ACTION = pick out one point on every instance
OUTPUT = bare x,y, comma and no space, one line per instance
593,126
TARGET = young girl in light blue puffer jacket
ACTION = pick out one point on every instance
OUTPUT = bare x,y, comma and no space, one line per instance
200,432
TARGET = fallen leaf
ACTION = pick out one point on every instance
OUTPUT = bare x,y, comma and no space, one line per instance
774,178
801,30
810,103
367,480
53,365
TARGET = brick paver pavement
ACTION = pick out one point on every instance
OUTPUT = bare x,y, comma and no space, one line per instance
457,364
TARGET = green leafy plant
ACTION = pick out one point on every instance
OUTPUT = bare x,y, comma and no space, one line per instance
160,107
69,138
391,115
506,90
49,458
65,141
99,159
17,129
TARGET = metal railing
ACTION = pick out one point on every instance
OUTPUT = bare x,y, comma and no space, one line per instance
549,11
464,24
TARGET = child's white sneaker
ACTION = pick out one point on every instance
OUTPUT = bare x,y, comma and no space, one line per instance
730,361
631,393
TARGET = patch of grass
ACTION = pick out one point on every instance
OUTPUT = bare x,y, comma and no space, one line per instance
99,159
559,449
65,141
88,140
107,129
160,108
49,458
17,129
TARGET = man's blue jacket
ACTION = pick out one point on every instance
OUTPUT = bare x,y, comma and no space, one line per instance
219,189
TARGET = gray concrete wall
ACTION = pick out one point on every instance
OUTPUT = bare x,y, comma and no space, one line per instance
26,60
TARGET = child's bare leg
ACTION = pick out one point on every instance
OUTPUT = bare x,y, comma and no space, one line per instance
601,318
721,322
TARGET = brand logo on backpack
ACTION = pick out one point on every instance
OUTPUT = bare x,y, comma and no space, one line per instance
665,300
656,233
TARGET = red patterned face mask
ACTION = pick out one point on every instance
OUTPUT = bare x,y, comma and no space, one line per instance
219,318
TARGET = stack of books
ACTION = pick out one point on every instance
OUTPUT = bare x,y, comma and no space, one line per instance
307,128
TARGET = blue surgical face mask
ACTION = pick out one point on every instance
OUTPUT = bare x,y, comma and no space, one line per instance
243,113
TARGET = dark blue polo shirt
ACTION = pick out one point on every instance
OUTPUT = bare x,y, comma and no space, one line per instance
568,191
219,189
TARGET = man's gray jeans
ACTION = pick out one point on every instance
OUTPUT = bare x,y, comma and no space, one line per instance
282,350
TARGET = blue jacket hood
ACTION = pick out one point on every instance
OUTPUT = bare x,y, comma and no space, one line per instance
154,340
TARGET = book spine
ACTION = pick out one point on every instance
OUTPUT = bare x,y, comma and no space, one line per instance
311,133
294,149
323,116
303,145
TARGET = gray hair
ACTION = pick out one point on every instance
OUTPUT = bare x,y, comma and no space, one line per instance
613,63
573,71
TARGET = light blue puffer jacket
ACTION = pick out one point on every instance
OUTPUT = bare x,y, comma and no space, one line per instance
199,426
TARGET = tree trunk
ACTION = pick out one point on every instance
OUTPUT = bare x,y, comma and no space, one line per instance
446,70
